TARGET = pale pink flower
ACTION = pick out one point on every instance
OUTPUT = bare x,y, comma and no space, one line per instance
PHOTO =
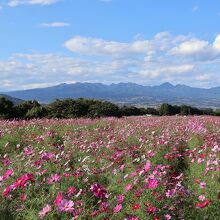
44,211
202,198
53,178
202,185
128,187
167,217
65,206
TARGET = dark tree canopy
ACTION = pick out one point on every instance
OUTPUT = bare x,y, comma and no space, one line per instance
90,108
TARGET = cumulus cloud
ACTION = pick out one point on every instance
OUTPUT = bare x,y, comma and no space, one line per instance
14,3
96,46
198,49
164,57
54,24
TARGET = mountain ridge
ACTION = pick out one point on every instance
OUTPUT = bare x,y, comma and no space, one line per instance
126,93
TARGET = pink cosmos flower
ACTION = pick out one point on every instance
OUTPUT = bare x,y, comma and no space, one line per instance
98,190
6,161
147,166
152,184
128,187
7,174
47,156
65,206
202,185
133,174
28,151
20,182
6,191
170,193
117,208
44,211
122,167
71,190
151,210
23,197
53,178
104,205
202,198
58,198
167,217
120,198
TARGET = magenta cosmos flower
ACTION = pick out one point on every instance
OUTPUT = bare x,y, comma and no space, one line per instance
99,191
120,198
152,184
58,199
65,206
20,182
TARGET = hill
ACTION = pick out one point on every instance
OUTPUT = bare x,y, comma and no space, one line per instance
12,99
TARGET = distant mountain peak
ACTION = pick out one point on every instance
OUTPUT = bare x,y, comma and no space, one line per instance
167,85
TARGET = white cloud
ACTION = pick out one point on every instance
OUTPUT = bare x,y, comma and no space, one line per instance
14,3
216,44
96,46
164,57
198,49
191,47
55,24
167,70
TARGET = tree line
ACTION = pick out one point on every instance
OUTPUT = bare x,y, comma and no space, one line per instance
89,108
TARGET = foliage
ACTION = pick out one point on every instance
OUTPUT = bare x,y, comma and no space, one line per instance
90,108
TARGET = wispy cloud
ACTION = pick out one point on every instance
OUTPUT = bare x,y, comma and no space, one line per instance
195,8
14,3
54,24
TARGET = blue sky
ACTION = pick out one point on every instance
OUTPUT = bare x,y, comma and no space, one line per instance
47,42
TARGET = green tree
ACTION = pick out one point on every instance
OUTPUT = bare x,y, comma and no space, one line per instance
166,109
36,112
6,108
103,109
22,109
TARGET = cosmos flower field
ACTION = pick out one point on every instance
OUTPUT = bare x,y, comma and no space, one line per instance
120,169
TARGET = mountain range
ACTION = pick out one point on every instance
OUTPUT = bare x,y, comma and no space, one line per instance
126,93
